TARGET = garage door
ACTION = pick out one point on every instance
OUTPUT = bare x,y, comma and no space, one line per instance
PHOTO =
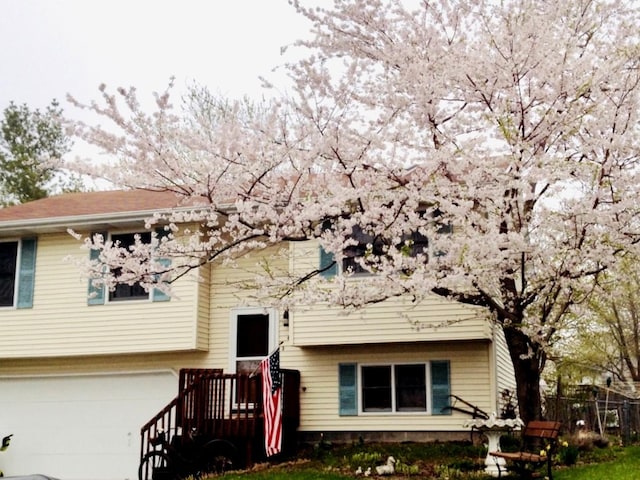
79,427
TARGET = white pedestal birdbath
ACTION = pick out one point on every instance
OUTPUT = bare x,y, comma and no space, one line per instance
493,428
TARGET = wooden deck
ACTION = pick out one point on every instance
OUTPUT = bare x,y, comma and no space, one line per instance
215,405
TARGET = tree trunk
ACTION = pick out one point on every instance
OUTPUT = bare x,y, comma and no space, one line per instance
528,362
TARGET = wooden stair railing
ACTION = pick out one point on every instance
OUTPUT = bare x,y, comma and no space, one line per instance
215,405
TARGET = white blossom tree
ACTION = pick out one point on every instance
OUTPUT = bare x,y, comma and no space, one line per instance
512,126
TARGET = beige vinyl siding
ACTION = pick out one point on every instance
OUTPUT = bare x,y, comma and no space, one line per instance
60,312
318,365
321,337
230,289
394,320
319,373
222,300
305,256
62,324
91,364
203,306
505,375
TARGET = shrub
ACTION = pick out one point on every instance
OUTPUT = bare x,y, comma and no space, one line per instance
587,440
447,472
568,453
365,458
406,469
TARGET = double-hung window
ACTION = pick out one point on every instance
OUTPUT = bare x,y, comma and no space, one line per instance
394,388
124,291
17,272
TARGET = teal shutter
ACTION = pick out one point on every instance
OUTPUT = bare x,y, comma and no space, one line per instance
96,293
348,389
159,295
440,387
328,262
27,273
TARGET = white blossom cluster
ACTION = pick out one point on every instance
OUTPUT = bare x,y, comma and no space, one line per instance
513,124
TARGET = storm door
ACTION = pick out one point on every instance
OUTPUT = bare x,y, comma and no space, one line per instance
254,336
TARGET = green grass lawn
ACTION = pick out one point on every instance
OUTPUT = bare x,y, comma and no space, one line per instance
626,466
438,461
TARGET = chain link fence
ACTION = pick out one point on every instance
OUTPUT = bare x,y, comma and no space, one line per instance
599,409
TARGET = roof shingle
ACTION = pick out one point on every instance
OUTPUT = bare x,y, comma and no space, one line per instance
90,203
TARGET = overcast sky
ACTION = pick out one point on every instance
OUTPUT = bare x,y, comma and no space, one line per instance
49,48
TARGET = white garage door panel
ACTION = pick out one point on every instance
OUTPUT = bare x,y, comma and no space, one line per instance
79,427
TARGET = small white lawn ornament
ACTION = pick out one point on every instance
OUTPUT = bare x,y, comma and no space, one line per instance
388,468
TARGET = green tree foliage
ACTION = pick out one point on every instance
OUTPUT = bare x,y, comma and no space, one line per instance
31,142
609,343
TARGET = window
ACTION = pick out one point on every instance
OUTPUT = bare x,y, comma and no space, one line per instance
254,337
413,244
124,291
8,270
17,272
411,388
367,245
394,388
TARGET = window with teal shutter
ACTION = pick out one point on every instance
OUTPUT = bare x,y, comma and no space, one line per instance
440,387
96,293
406,386
27,273
348,382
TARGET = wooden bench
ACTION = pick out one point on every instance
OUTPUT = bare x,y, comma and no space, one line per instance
538,444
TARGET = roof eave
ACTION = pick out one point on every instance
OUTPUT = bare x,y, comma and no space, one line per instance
62,224
93,222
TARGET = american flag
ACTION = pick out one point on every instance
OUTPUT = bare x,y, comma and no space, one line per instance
272,403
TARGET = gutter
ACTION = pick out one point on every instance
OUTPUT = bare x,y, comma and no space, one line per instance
62,224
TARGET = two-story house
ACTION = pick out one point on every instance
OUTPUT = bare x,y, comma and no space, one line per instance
80,373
